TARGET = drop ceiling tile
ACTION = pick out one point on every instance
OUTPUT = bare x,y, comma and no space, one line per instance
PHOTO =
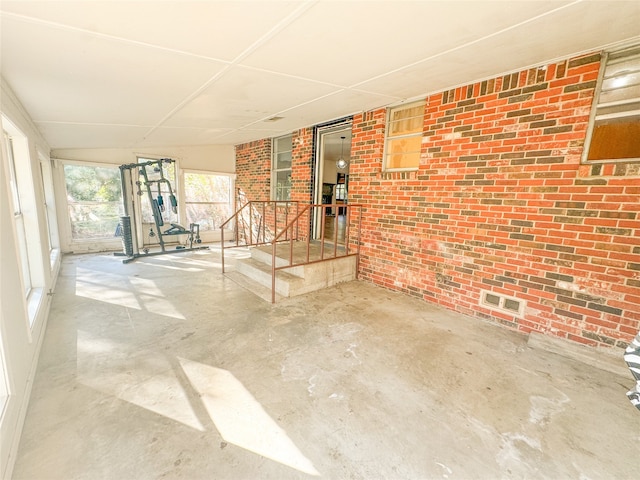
236,137
216,29
69,76
90,136
341,104
242,96
176,136
513,50
349,42
136,68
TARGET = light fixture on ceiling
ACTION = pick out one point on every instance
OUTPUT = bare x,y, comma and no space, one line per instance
341,163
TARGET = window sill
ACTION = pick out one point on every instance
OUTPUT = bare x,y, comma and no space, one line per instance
405,174
618,169
615,160
34,300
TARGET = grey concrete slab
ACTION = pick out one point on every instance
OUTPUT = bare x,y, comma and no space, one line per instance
164,368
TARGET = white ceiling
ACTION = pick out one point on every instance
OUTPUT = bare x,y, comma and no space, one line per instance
128,74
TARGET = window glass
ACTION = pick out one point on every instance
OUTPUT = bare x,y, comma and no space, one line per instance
404,136
403,152
283,185
49,203
208,199
94,200
614,130
284,147
281,175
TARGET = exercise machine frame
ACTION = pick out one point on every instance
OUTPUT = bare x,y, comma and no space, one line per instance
131,247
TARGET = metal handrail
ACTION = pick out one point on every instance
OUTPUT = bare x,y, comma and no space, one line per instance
261,232
291,232
295,224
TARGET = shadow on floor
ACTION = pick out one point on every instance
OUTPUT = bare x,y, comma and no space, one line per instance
163,368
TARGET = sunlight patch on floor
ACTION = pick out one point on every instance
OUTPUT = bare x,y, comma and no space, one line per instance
126,291
240,418
147,380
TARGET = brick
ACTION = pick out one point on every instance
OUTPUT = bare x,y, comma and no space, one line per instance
559,276
569,314
580,86
604,308
518,113
587,59
598,338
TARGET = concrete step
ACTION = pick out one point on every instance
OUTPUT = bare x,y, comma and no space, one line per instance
295,280
265,255
299,254
252,286
260,272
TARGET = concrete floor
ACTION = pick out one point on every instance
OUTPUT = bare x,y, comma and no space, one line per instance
165,369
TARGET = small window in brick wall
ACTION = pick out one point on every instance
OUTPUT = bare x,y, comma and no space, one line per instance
404,137
281,168
614,127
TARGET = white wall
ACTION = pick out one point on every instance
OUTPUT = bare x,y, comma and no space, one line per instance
22,320
214,158
20,342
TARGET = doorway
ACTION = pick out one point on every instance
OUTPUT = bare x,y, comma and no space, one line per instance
331,186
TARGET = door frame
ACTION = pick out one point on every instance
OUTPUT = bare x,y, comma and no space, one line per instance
319,160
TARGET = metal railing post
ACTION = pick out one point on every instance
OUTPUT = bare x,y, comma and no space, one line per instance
222,247
273,272
359,240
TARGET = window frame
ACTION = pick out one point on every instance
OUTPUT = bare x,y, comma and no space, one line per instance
49,197
388,137
634,51
71,244
18,216
275,190
20,167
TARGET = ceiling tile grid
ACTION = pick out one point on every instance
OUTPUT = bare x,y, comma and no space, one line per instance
114,74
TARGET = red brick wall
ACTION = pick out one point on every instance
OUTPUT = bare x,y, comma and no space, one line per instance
253,170
501,203
301,166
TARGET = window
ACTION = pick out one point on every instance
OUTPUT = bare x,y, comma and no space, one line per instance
281,170
614,129
18,215
22,200
94,200
404,137
208,199
49,203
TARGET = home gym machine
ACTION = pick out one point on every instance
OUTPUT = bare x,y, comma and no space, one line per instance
151,177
